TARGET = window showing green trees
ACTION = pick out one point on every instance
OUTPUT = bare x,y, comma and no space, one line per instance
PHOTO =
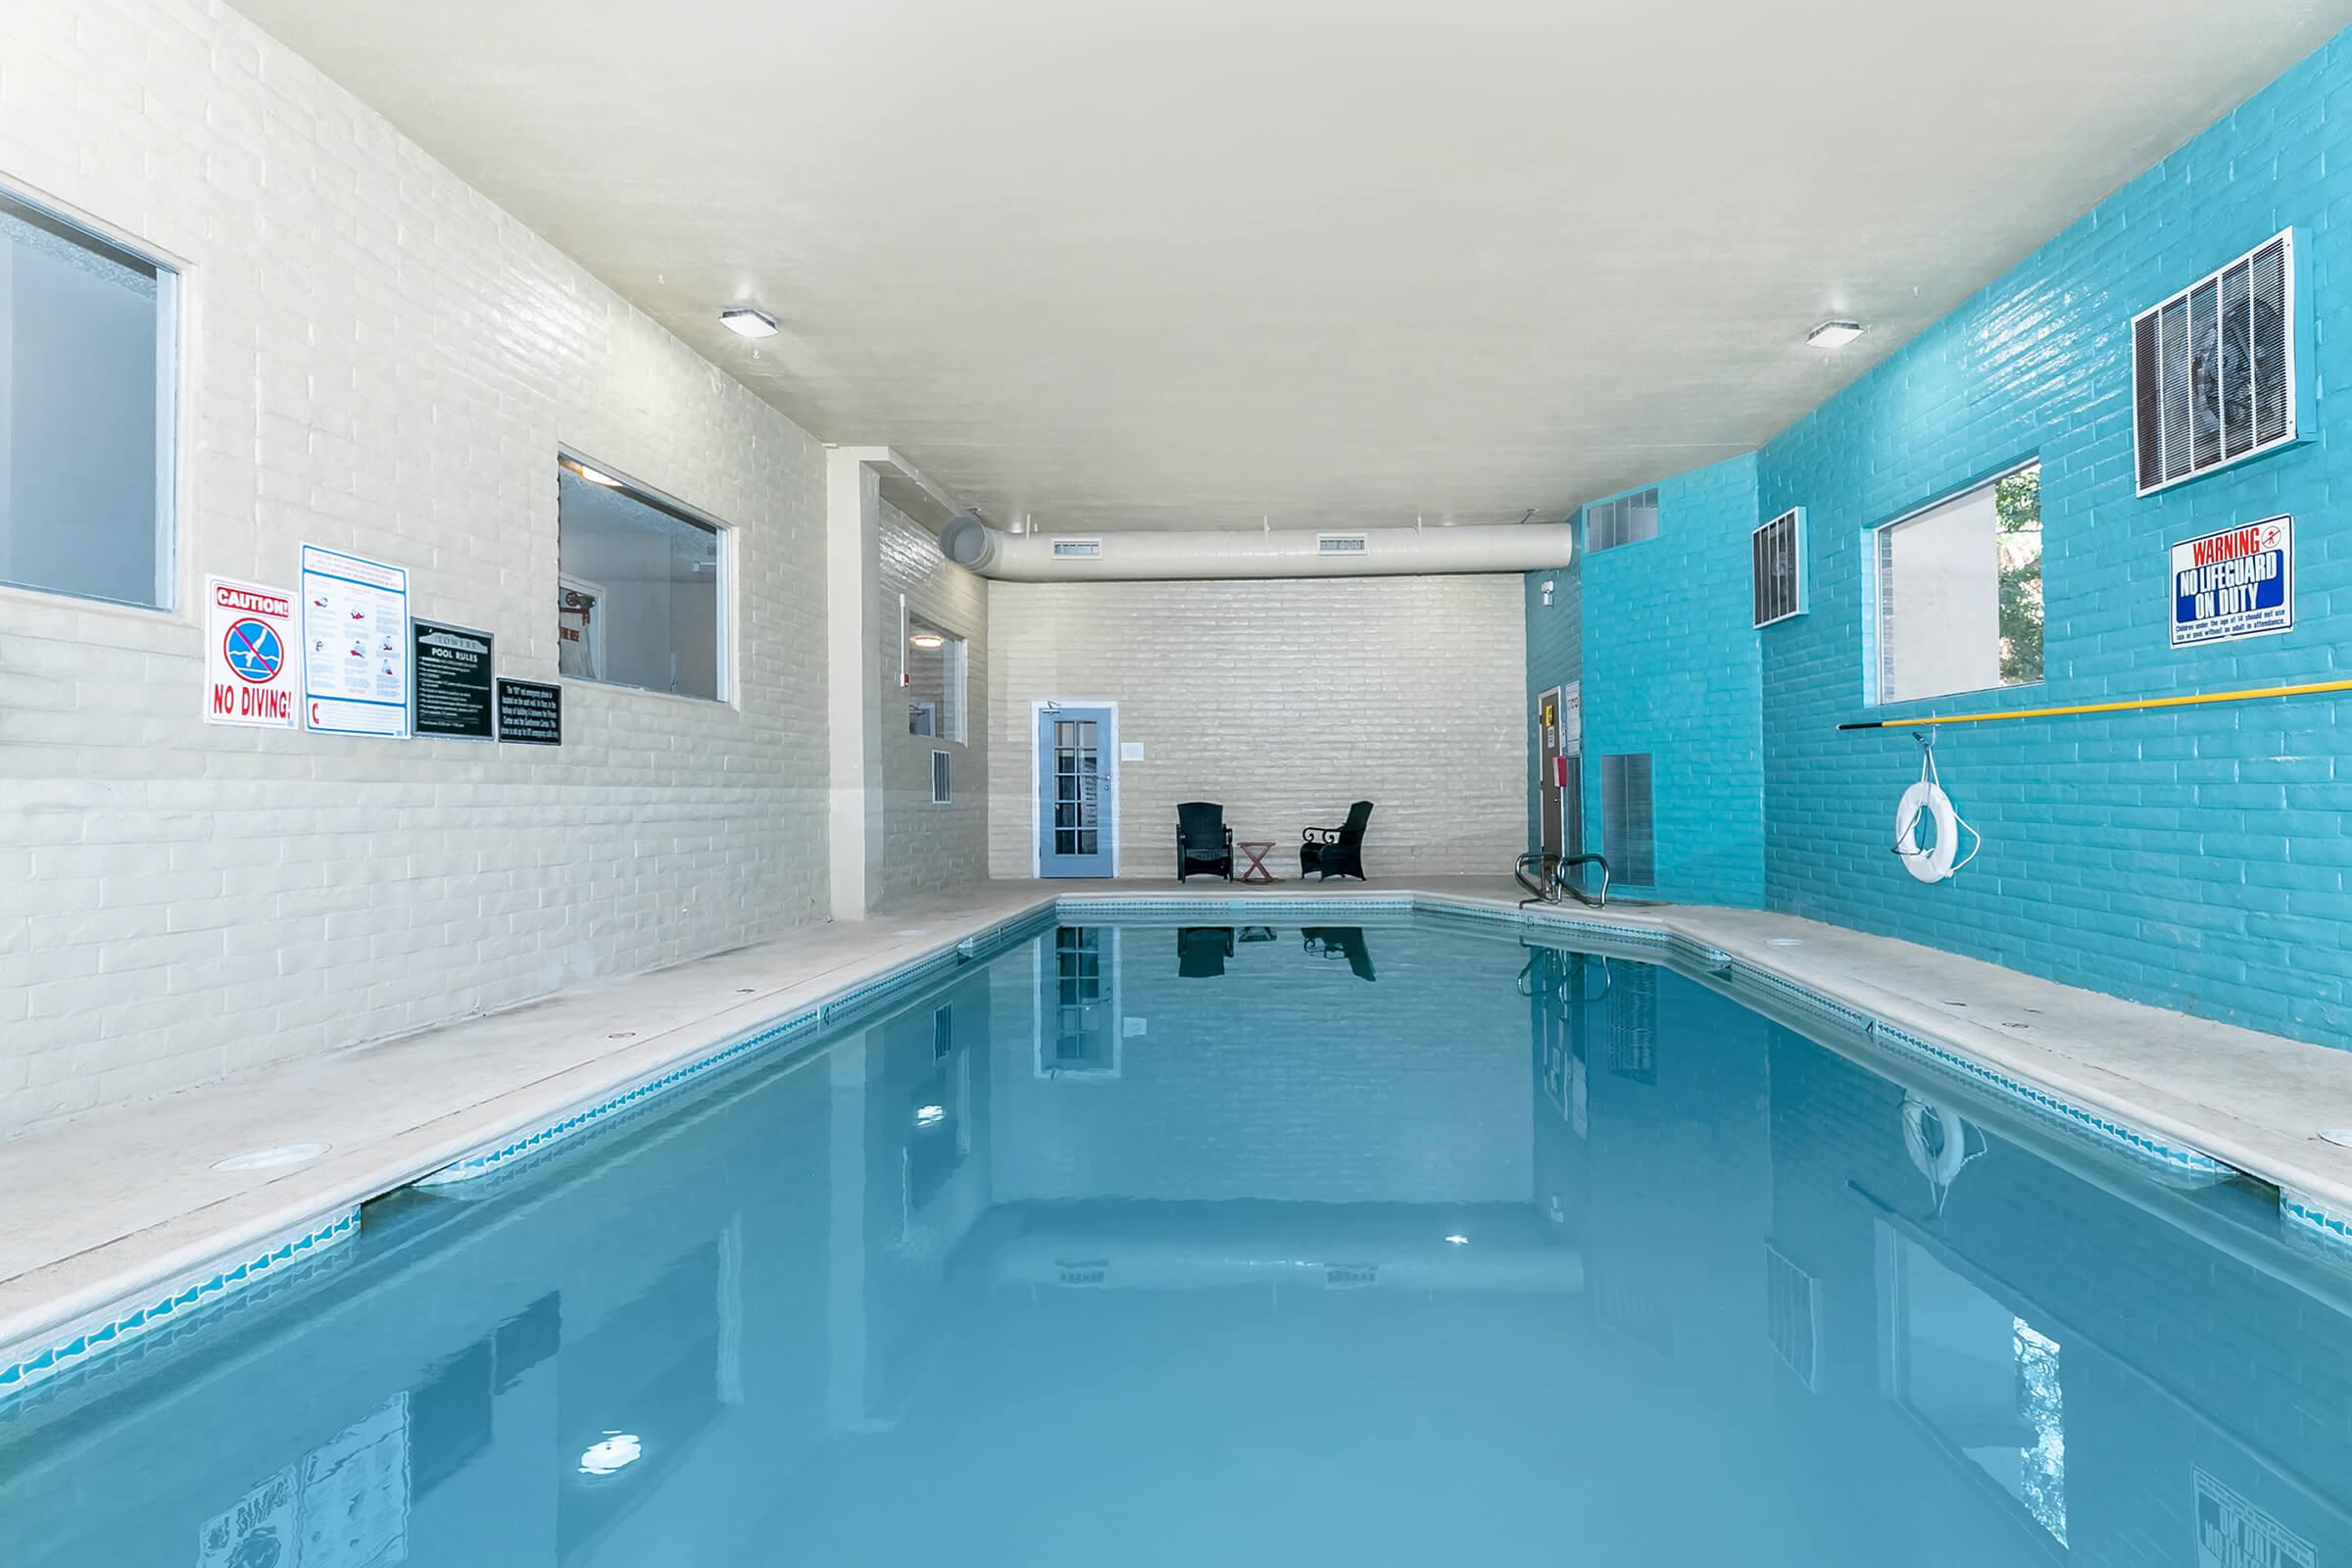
2017,508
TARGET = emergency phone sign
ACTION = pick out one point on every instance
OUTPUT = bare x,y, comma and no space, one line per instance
248,666
2235,583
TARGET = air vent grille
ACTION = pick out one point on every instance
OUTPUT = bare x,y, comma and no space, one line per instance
1779,558
2213,373
1623,521
1627,835
1077,547
1339,544
940,778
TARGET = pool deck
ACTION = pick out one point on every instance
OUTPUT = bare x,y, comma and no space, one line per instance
103,1209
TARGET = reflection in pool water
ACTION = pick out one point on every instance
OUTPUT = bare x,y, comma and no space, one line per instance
1516,1254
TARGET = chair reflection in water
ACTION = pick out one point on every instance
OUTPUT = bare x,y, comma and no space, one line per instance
1342,942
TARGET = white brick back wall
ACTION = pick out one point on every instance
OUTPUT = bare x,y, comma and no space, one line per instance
928,846
377,360
1283,700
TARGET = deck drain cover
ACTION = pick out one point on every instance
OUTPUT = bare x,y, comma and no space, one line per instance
2340,1136
272,1158
1784,941
912,931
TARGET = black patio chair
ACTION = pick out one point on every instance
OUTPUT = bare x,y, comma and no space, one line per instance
1203,843
1201,951
1330,852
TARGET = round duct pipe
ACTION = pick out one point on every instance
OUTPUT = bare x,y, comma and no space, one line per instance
1176,554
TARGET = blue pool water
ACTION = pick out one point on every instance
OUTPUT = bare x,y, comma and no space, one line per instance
1402,1243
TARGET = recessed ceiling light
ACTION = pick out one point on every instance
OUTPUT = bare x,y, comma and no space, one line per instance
1833,334
744,321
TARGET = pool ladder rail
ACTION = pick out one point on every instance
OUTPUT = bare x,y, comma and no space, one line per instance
1545,876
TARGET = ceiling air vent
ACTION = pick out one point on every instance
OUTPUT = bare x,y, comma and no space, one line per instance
2213,368
1339,544
1779,553
1621,521
1064,548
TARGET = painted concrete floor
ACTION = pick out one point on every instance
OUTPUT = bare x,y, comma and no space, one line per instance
106,1206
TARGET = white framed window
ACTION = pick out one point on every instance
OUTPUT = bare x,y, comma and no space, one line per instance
643,588
933,663
1959,592
89,365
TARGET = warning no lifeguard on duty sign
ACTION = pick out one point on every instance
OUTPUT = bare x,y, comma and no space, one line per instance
249,669
2240,582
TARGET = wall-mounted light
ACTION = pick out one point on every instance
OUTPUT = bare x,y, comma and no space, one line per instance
1833,334
1548,593
744,322
592,475
928,641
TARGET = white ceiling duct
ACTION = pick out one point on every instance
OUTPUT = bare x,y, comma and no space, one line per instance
1128,556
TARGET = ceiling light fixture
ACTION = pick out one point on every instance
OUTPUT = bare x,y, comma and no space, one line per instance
592,475
928,640
744,322
1833,334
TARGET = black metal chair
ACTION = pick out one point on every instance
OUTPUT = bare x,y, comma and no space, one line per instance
1201,951
1203,843
1330,852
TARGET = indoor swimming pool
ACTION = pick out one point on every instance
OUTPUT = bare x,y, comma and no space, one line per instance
1409,1241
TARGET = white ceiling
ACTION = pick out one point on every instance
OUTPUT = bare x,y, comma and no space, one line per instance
1321,260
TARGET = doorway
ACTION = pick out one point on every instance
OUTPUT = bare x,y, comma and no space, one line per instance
1077,789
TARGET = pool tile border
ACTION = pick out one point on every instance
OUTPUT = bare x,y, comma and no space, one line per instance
30,1363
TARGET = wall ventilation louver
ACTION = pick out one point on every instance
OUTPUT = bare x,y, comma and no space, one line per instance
1077,547
1341,544
1621,521
2213,368
940,782
1628,837
1778,556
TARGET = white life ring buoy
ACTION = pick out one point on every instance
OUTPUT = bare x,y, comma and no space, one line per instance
1941,1163
1933,861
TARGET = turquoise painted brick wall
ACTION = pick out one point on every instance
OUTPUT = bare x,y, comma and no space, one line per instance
2195,859
1670,666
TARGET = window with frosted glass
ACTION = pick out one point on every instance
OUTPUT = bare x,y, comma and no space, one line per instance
85,449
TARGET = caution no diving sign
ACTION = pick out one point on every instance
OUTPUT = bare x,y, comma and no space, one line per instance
249,664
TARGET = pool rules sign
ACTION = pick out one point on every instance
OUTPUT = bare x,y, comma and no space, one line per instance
2240,582
248,666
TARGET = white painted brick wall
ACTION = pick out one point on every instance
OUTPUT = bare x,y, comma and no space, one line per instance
928,846
377,360
1283,700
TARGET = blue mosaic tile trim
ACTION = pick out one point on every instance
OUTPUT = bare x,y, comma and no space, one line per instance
1803,998
539,1139
2306,1220
69,1349
827,1011
2170,1157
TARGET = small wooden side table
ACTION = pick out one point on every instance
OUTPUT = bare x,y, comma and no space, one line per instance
1257,850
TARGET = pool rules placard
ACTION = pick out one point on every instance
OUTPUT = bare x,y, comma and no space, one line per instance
2240,582
249,661
452,682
